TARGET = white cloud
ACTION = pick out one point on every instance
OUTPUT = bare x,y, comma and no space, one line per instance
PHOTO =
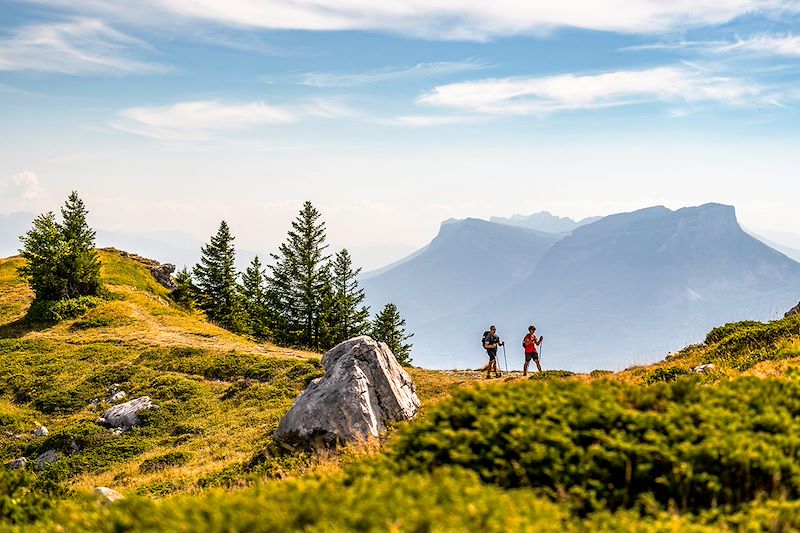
23,186
760,44
83,46
389,74
548,94
783,45
424,121
198,120
444,19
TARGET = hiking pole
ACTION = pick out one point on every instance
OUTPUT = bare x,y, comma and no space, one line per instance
506,358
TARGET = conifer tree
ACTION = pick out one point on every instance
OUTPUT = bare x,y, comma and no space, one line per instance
44,248
80,265
390,328
254,299
61,261
185,291
215,275
298,280
348,316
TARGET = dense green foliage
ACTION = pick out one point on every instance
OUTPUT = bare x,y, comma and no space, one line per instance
185,292
60,261
215,275
299,284
390,327
608,445
56,310
23,498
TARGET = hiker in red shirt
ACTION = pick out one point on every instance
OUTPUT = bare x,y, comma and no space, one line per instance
530,343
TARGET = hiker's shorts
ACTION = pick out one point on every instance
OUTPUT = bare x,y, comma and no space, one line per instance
532,355
492,355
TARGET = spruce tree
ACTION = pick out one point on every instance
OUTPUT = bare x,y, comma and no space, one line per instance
348,316
390,328
215,275
298,280
44,249
254,299
80,266
185,291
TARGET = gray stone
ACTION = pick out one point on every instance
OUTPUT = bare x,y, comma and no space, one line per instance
50,456
163,274
125,415
703,369
117,396
793,311
107,495
19,463
41,431
363,389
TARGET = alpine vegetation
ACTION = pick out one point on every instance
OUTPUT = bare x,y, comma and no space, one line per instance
61,265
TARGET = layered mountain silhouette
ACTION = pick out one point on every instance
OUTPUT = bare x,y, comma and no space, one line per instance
544,221
468,260
625,289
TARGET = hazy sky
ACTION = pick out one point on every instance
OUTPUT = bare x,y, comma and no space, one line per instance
392,116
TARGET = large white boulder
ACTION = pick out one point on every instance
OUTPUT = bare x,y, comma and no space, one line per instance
125,415
363,389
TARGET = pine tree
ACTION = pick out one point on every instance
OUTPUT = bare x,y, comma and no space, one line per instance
254,299
390,328
80,266
298,280
348,317
44,249
217,289
185,291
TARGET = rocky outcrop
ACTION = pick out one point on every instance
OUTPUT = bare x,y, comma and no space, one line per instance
793,311
363,389
163,274
19,463
126,415
704,368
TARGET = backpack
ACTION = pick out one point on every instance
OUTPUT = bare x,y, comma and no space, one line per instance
484,339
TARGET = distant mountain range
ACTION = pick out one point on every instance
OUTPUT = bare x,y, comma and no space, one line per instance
621,290
544,221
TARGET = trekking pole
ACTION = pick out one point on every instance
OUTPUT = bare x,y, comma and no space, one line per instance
504,357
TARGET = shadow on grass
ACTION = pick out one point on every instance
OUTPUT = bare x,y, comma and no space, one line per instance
21,327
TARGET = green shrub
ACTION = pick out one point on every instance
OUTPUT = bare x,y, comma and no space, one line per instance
162,462
608,445
666,375
721,332
550,374
600,373
23,499
57,310
60,401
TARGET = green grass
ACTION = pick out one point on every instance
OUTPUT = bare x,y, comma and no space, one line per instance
649,449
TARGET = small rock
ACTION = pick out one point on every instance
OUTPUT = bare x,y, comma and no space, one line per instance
117,396
703,369
125,415
116,431
793,311
113,388
108,495
50,456
19,464
41,431
73,446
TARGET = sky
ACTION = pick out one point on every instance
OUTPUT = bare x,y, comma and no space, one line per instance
393,116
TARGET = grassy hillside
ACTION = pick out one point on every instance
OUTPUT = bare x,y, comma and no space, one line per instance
656,448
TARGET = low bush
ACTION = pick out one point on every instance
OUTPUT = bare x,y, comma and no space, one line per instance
162,462
90,323
666,375
57,310
23,499
608,445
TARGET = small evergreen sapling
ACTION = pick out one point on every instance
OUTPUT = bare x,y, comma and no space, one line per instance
185,290
254,299
390,327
